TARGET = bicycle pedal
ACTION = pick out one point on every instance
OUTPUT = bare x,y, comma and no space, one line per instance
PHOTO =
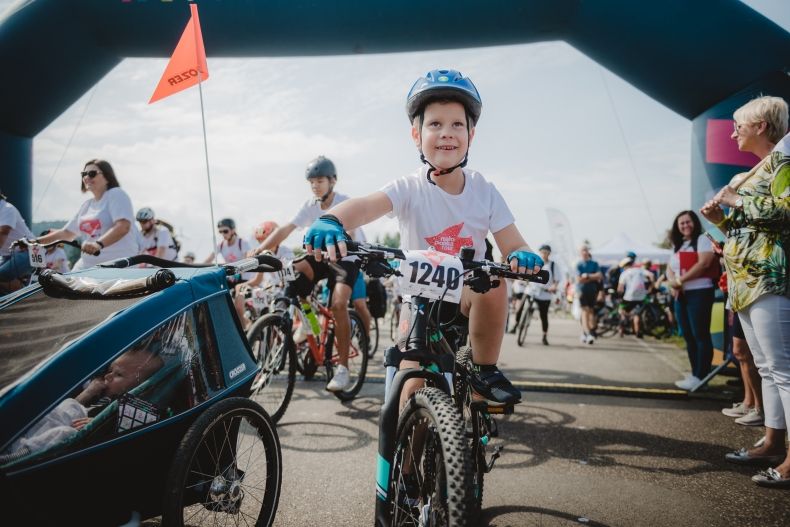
500,410
494,456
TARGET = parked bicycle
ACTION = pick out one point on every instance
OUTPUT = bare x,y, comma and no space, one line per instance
300,336
432,455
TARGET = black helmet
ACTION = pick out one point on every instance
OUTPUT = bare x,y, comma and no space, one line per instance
227,222
146,213
320,167
444,84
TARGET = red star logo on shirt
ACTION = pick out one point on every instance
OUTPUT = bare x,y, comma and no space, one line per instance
449,240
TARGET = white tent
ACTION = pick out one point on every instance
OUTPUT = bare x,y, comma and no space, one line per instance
615,249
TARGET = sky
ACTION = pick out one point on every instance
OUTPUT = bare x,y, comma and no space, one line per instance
548,137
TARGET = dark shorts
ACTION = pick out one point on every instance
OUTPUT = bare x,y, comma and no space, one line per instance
335,272
588,297
737,328
630,305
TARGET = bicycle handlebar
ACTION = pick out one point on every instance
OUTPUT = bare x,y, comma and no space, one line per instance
25,242
382,252
262,263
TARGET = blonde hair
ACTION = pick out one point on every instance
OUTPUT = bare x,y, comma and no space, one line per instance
770,110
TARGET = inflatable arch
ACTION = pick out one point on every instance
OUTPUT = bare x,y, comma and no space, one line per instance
701,58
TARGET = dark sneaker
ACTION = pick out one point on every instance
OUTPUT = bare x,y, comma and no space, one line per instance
545,341
494,387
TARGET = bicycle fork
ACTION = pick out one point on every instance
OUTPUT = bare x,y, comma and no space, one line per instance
388,422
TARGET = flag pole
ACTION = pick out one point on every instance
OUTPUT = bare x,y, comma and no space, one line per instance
208,172
198,46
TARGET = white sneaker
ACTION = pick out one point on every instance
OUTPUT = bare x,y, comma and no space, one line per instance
340,380
754,417
688,383
737,410
583,338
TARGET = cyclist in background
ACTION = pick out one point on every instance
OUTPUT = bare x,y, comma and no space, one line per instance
543,294
631,285
55,257
444,206
262,231
189,258
321,175
155,239
232,247
14,263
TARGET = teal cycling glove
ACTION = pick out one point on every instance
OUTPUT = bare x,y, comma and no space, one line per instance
526,259
326,230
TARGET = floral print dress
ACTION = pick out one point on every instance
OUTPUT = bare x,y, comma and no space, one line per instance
758,234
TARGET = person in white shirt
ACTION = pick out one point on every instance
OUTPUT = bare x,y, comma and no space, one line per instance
232,247
263,231
155,238
544,293
446,207
341,276
631,285
55,257
14,263
106,220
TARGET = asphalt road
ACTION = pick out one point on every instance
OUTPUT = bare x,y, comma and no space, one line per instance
569,458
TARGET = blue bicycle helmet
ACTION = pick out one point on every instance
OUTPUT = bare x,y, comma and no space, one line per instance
444,84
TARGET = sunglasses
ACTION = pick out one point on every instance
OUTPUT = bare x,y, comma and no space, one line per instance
90,173
224,231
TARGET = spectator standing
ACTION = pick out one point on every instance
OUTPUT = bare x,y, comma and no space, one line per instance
755,255
106,220
689,276
589,279
544,293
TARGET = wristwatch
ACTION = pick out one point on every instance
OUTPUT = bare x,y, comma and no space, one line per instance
100,243
739,202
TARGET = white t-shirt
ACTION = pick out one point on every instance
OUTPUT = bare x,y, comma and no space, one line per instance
234,252
158,236
633,279
430,217
95,218
541,291
57,260
311,210
9,215
703,245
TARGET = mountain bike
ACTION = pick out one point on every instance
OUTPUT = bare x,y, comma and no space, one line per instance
37,255
271,338
432,454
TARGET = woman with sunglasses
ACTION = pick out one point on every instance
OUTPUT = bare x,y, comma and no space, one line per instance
106,221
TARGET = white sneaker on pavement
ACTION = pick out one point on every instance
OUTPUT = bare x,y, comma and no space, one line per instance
737,410
340,380
688,383
754,417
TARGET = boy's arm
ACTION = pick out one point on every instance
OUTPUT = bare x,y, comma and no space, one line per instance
352,213
509,240
356,212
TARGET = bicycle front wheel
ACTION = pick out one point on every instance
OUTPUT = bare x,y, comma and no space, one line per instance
523,324
374,337
273,349
431,479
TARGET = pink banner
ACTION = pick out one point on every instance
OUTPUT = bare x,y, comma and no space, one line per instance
721,148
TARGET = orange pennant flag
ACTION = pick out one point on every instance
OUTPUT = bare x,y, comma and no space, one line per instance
187,65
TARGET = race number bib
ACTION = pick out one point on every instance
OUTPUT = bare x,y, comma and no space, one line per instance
430,273
36,254
259,298
289,275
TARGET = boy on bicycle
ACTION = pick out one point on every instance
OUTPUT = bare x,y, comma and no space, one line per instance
322,176
446,207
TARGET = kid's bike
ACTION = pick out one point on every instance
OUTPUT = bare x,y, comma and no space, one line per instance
432,453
